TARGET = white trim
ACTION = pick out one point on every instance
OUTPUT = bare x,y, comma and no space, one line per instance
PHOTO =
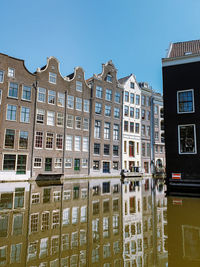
195,143
17,90
9,68
22,93
193,106
178,61
3,76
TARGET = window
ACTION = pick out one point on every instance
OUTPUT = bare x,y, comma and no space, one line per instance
108,94
131,127
66,217
117,97
156,110
99,92
37,163
0,95
70,121
131,149
46,195
148,131
106,167
126,110
77,164
106,149
126,96
97,129
185,101
156,135
143,114
97,148
39,139
60,119
52,77
86,105
68,163
26,93
148,150
116,132
83,214
59,141
40,116
98,108
109,78
143,150
96,165
35,198
58,163
70,101
106,130
137,100
126,126
34,221
11,72
43,248
78,86
107,111
48,164
125,146
132,85
25,115
77,143
143,100
78,103
13,90
115,150
137,128
55,219
148,115
105,227
17,224
11,113
49,140
15,255
143,130
69,142
115,165
84,193
116,113
85,144
61,100
9,138
85,124
51,97
23,140
84,163
1,76
132,96
187,139
50,118
131,112
78,122
41,96
137,113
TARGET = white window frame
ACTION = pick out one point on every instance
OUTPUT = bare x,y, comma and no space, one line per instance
51,112
86,105
70,102
44,93
52,77
79,86
71,142
11,72
29,100
52,94
77,143
2,71
193,106
68,161
195,141
35,162
62,97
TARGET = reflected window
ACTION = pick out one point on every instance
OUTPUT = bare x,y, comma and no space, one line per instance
6,201
17,224
76,192
66,216
15,255
65,242
105,227
46,195
45,221
106,187
3,225
54,245
32,250
55,219
43,247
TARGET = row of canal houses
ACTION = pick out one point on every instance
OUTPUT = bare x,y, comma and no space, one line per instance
95,222
67,126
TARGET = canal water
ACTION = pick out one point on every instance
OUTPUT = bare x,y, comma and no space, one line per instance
97,222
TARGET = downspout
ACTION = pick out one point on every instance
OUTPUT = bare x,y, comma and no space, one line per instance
122,117
64,137
90,120
152,141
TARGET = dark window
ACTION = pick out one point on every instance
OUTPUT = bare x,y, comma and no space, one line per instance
76,192
9,162
126,97
131,149
9,138
106,167
96,148
106,187
46,195
132,85
77,164
48,164
95,208
106,149
126,126
131,127
21,164
19,198
23,140
95,190
187,139
185,101
96,165
6,201
115,150
3,228
98,108
115,188
106,206
115,165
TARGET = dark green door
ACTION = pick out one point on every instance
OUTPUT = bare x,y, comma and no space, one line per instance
48,164
77,164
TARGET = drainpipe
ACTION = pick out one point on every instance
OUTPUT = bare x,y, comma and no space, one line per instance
64,137
152,158
122,116
90,121
34,126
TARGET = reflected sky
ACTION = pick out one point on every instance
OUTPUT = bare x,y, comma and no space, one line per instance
97,222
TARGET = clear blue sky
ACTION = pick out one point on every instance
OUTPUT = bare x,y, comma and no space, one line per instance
133,33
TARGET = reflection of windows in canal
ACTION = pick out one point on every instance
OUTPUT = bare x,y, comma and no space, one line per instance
3,225
15,255
74,215
83,193
133,246
74,240
106,251
55,219
116,247
65,242
95,229
95,207
115,204
46,195
34,222
82,237
3,252
106,187
82,258
76,192
54,245
66,217
56,196
43,247
115,224
191,242
105,227
17,224
83,214
74,260
67,195
95,190
6,200
45,220
35,198
95,255
65,261
126,230
32,250
106,206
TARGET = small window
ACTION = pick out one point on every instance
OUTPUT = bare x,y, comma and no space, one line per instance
58,163
77,164
13,90
185,101
37,163
84,163
26,93
99,92
132,85
78,86
52,77
11,72
96,165
68,163
97,148
109,78
187,139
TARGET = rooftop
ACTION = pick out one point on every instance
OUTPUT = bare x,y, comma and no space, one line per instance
184,49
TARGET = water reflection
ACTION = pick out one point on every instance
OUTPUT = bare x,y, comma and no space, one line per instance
99,222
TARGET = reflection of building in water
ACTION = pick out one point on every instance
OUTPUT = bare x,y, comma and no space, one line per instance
183,232
105,226
13,223
132,224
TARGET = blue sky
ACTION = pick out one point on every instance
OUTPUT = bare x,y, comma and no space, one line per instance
133,33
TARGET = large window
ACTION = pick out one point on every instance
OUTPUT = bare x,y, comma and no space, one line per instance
9,138
109,94
116,132
85,144
116,113
40,116
126,96
41,97
13,90
78,103
106,167
23,140
38,139
117,97
11,113
61,99
69,142
51,97
131,149
1,76
185,101
50,118
106,130
59,141
49,140
98,108
99,92
25,114
107,111
26,93
70,101
86,105
70,121
187,139
97,129
77,143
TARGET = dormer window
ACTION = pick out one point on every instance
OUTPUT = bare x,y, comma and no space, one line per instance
109,78
52,77
188,53
132,85
11,72
78,86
